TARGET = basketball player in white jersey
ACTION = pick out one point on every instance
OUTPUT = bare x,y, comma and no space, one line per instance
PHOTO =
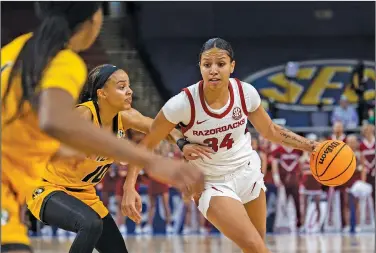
214,112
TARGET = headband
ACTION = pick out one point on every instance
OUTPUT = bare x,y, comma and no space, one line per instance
104,73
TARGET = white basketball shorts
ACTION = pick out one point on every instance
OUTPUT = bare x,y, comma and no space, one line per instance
244,185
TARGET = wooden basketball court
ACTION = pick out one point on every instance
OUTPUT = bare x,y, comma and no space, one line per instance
318,243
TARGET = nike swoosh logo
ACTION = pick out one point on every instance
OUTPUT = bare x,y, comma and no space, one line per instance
200,122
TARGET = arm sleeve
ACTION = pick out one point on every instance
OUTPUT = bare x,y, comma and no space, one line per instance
178,109
251,96
66,71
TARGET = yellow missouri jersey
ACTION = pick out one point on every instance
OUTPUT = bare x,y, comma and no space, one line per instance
25,149
90,171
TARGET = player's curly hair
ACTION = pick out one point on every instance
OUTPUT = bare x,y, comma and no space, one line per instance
88,89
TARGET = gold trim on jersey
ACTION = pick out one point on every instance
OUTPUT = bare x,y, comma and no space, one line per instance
117,123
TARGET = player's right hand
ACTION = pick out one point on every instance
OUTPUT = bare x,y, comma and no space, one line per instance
196,151
131,205
179,174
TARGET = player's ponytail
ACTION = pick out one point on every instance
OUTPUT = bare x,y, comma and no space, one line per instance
87,90
59,22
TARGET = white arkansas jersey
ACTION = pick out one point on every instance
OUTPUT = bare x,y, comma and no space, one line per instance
224,129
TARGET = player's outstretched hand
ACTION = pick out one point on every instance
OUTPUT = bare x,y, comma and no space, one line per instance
131,205
196,151
179,174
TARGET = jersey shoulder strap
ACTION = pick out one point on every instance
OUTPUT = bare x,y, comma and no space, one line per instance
94,113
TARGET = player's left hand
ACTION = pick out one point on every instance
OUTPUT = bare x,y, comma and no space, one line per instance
196,151
131,205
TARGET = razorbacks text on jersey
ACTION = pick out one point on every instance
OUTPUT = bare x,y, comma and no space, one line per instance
224,130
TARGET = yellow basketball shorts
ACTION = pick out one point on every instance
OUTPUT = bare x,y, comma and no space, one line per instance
38,198
13,229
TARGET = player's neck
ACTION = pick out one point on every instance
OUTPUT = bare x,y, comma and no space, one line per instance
75,42
216,98
107,113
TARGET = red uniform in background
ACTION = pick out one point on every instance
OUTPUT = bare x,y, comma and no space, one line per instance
308,181
268,177
367,149
357,174
289,173
122,173
288,165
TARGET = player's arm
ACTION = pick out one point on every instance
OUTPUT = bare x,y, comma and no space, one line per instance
277,134
173,112
267,128
57,96
135,120
159,130
58,119
66,151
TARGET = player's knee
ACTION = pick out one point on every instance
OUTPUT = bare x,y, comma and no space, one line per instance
262,234
92,224
252,244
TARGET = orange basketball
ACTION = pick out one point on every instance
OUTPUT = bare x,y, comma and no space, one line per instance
333,163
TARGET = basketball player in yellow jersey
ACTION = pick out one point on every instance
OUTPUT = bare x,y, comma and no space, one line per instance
42,76
106,102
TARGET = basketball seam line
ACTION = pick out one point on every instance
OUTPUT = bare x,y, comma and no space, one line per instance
344,144
317,175
352,159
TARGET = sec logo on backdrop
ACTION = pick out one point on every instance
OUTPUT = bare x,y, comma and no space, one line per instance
317,81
